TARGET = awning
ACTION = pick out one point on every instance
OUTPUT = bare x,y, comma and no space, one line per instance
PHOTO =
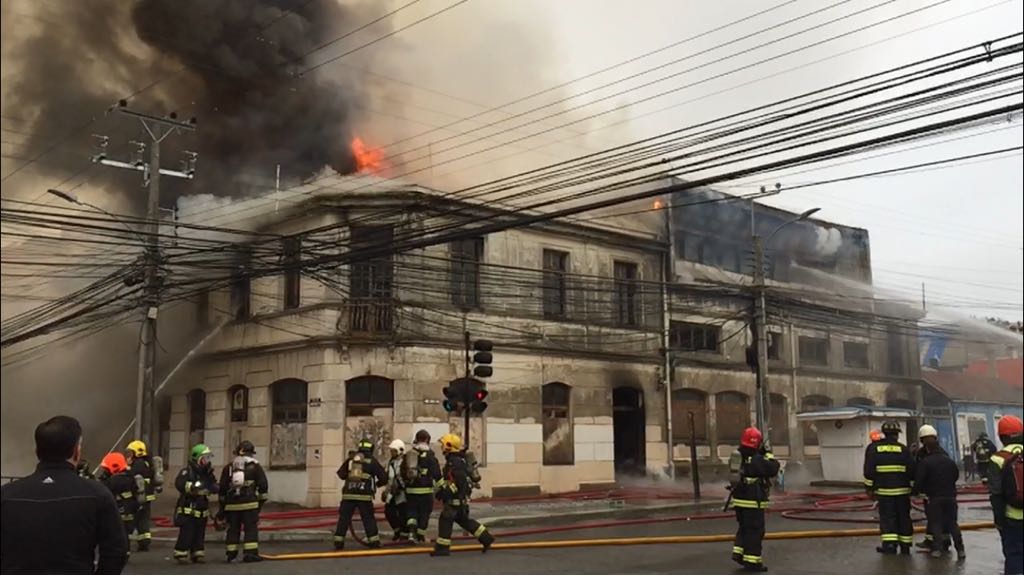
851,412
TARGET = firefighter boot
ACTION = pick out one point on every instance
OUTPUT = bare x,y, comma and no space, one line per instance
751,567
905,549
486,539
961,555
232,556
885,549
441,551
252,558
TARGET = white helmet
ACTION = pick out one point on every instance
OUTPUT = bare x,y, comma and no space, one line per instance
927,430
397,445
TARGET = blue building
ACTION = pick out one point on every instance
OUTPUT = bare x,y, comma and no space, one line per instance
962,406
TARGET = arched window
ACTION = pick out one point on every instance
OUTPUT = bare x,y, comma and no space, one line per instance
238,403
778,420
288,423
685,401
364,394
860,401
557,424
733,416
813,403
196,416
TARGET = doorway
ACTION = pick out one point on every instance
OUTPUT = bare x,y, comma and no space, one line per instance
628,424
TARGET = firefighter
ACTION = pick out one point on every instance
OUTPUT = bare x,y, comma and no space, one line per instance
84,470
243,491
888,471
394,496
1005,492
140,464
195,483
361,474
935,479
982,451
750,494
115,476
424,478
458,478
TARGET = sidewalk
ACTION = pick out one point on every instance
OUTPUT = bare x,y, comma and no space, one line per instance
542,511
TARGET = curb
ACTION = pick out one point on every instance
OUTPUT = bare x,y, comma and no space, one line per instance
536,519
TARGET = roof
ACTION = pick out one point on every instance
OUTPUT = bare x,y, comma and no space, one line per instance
1010,370
971,388
852,412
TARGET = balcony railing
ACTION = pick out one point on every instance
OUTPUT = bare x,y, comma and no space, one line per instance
371,316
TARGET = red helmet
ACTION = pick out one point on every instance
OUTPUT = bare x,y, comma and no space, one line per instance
114,462
1010,426
876,435
751,438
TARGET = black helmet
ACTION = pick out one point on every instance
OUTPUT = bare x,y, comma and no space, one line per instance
982,436
365,446
245,448
423,436
891,427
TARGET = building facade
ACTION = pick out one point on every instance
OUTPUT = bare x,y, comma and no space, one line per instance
604,345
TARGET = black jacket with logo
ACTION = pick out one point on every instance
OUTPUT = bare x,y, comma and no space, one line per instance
936,475
361,474
55,522
125,492
456,486
143,466
888,468
427,474
195,485
251,495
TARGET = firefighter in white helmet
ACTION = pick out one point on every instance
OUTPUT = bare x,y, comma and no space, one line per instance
395,501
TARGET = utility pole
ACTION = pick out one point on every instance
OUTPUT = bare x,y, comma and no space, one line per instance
761,328
157,128
466,411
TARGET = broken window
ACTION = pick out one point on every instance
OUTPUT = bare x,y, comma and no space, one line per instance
813,351
556,270
732,415
372,280
778,420
466,256
774,345
292,262
288,423
241,288
238,400
366,393
557,424
685,401
897,364
690,337
625,303
813,403
196,416
855,355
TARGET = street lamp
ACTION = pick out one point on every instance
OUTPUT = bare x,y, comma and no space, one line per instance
760,317
72,199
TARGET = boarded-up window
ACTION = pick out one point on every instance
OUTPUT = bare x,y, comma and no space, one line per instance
685,401
288,423
196,416
733,416
366,393
558,442
556,269
238,400
813,403
778,420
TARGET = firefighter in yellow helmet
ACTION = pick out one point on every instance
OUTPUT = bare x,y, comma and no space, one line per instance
457,481
141,465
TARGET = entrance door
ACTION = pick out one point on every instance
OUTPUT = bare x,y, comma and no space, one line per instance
628,429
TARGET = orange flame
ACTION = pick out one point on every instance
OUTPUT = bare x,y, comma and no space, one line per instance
658,204
367,159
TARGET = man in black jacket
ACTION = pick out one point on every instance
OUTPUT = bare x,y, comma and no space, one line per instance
888,473
54,521
362,475
936,476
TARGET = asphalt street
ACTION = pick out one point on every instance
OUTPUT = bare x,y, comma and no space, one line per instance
807,556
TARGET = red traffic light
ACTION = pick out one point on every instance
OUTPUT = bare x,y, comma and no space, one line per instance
481,394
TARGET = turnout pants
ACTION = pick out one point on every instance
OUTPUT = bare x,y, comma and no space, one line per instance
894,521
191,538
420,507
237,521
746,548
396,516
451,515
346,510
142,525
1012,535
942,520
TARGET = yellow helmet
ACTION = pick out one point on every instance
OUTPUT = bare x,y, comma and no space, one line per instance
137,447
451,443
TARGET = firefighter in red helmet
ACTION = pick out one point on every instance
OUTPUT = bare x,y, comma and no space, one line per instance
752,468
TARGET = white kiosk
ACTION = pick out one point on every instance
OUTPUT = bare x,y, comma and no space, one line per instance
844,433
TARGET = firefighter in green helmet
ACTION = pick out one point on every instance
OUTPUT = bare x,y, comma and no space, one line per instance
195,483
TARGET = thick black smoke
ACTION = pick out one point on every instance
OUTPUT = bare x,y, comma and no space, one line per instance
233,64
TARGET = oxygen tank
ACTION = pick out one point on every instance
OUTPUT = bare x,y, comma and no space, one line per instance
158,471
473,469
238,473
355,467
411,465
735,465
140,489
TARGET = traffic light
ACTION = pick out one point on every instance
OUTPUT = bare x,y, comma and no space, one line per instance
482,359
454,396
479,395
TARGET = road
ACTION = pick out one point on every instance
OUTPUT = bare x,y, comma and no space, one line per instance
810,556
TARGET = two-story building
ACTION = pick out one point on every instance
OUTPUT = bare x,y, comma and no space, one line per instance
332,346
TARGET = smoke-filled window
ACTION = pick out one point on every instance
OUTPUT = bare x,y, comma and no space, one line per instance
855,355
813,351
556,269
557,424
466,256
625,302
292,260
690,337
